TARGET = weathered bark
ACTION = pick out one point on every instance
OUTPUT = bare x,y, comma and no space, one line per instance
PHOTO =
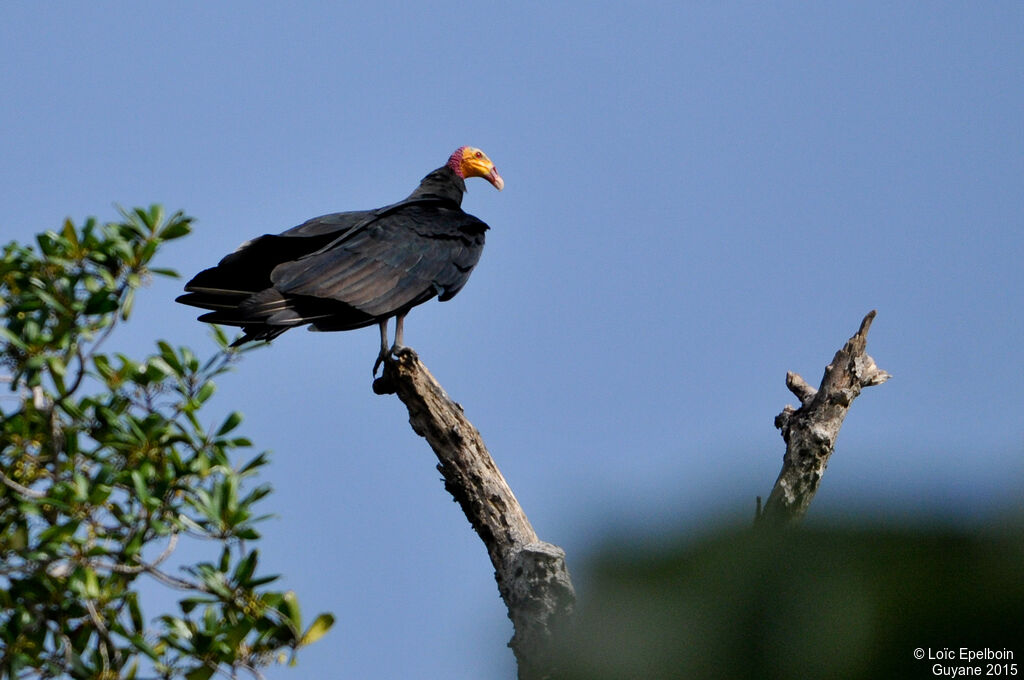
810,431
532,575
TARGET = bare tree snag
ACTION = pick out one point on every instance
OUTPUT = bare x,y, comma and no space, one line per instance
810,431
532,575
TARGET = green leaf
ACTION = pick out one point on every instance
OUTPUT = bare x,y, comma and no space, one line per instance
257,462
175,230
220,336
263,580
235,634
230,423
141,489
57,367
318,629
12,338
47,243
81,487
70,234
147,252
101,302
135,613
59,533
205,392
92,584
144,647
161,365
126,306
200,673
244,569
256,494
168,355
290,608
102,364
190,603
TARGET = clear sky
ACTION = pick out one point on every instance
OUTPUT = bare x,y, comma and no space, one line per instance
699,197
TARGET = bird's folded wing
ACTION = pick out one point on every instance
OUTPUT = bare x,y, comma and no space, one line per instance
393,263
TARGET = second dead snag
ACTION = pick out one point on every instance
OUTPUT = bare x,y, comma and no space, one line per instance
810,431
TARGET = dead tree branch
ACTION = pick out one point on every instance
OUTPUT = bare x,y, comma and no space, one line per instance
532,575
810,431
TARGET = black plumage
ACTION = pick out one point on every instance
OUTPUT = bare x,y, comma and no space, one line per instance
352,269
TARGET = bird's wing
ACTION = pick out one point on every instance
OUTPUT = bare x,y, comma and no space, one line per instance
335,223
396,260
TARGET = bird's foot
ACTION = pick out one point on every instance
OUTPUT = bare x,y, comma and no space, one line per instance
377,364
384,384
384,355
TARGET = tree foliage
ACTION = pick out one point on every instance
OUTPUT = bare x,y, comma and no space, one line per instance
107,467
857,600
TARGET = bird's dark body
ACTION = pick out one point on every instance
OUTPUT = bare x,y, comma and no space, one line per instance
346,270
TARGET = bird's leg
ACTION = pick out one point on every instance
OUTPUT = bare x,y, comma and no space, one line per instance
383,345
399,332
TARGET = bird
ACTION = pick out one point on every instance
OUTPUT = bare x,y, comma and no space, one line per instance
350,270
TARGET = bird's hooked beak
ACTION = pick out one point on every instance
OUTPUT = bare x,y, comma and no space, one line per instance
475,163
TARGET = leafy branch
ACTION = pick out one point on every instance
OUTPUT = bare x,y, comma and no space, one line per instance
106,466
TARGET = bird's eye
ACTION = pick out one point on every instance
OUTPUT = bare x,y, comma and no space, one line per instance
479,154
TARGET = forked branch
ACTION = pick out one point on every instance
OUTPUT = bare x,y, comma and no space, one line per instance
810,431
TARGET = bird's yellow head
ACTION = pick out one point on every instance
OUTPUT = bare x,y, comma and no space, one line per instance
471,162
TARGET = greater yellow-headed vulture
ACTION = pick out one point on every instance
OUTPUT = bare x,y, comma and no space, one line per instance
353,269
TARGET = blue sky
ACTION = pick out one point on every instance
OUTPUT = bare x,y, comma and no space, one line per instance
699,197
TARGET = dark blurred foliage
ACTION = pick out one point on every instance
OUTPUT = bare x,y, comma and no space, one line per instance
841,601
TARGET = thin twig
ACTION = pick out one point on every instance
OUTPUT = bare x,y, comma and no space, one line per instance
101,628
23,490
174,581
143,566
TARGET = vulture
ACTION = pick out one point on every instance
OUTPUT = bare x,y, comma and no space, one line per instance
353,269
